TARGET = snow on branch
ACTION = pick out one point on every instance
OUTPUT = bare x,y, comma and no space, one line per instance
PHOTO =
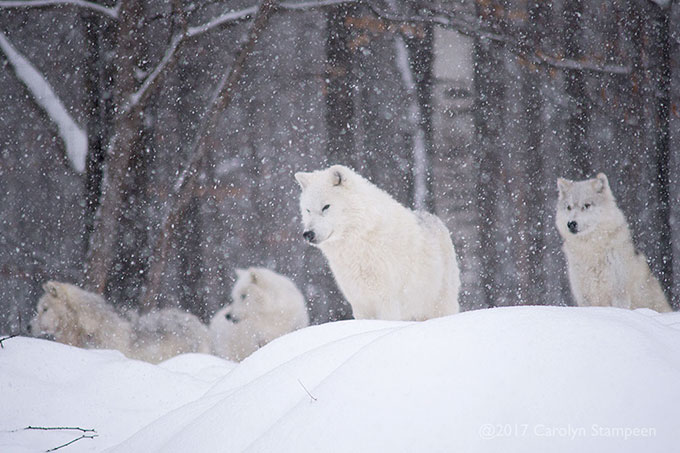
232,16
111,12
74,137
138,95
243,14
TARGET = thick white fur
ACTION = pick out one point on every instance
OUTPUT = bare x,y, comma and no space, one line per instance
390,262
604,267
83,319
265,305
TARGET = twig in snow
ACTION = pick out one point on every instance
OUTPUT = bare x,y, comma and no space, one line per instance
7,338
308,392
83,436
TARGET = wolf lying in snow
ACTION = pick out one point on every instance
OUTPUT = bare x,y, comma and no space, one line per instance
604,267
390,262
265,305
83,319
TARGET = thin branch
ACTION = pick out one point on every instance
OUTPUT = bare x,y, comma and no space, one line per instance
110,12
308,392
142,93
447,20
232,16
2,346
313,5
244,14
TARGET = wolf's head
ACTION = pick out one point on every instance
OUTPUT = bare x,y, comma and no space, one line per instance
67,314
584,207
326,203
262,296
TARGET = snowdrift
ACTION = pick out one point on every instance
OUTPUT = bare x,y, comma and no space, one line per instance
526,379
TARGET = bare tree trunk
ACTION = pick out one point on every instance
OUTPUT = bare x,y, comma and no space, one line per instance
579,110
662,42
190,265
489,124
421,53
531,201
339,86
125,141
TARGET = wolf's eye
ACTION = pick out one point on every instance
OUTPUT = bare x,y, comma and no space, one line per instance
243,296
569,208
587,206
325,208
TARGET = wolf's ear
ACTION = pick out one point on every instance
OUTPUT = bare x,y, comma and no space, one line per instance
253,276
563,186
51,288
338,175
241,273
302,179
601,183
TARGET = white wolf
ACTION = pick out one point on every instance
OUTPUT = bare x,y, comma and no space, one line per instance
604,267
265,305
390,262
79,318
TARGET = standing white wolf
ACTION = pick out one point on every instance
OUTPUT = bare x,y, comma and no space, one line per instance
265,305
604,267
390,262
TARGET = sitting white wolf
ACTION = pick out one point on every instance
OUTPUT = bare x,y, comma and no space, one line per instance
390,262
79,318
265,305
604,267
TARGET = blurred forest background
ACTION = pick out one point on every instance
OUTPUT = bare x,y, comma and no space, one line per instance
197,114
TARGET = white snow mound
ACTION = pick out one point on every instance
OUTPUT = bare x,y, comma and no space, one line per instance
529,379
525,379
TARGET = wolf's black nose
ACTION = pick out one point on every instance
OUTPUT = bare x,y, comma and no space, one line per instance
309,235
573,226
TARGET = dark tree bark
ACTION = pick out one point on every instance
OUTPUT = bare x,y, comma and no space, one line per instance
189,238
99,33
531,203
579,109
339,86
662,39
421,54
489,124
124,143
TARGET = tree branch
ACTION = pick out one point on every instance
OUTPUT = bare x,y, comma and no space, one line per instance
138,97
186,183
110,12
73,136
447,20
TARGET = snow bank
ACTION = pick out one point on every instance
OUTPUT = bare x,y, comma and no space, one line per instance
48,384
529,379
517,379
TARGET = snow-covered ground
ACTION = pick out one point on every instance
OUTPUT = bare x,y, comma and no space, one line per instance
526,379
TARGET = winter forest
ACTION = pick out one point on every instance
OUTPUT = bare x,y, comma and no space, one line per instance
147,148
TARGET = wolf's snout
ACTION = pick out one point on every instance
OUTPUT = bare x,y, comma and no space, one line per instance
309,235
573,227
